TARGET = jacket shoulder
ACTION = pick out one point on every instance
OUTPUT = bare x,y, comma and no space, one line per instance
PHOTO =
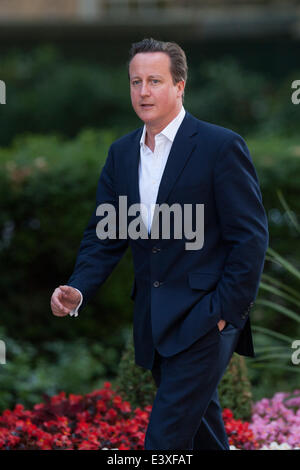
127,139
214,134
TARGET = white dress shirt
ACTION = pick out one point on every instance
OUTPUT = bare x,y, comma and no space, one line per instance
151,168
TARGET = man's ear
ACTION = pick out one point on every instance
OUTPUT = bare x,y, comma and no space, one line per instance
180,88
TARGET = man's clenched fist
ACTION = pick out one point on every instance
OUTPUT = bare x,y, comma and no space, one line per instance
63,300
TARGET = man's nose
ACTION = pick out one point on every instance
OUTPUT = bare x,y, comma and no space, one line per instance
145,91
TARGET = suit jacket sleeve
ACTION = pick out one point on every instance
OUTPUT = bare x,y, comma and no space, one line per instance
244,229
97,257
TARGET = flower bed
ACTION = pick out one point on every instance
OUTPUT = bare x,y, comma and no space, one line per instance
94,421
102,420
276,421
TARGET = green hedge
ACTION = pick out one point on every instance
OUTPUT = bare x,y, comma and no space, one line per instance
47,92
47,189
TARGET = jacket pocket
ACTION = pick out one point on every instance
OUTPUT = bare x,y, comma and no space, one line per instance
203,281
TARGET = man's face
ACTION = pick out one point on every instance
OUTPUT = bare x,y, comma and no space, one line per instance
155,99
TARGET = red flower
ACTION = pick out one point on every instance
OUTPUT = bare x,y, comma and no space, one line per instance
238,432
101,406
111,415
56,399
74,399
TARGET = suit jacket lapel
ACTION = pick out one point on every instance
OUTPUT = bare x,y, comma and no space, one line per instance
133,174
181,150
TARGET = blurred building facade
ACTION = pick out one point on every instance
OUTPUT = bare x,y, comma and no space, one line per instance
192,19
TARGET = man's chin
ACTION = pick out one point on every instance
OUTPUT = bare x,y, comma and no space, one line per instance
147,117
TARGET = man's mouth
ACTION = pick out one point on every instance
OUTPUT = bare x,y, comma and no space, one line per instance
146,106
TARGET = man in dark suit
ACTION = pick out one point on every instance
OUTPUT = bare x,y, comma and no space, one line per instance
192,302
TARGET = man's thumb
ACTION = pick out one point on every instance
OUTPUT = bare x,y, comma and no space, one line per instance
65,288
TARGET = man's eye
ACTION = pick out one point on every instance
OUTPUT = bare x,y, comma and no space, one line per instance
153,80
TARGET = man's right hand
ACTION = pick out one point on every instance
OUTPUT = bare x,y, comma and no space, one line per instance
63,300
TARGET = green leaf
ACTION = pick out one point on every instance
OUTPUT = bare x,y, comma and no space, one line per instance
278,292
257,365
278,283
289,212
279,308
272,333
263,349
286,264
274,356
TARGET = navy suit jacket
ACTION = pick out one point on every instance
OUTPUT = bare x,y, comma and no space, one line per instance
187,291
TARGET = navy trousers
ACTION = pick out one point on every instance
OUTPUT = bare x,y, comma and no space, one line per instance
186,412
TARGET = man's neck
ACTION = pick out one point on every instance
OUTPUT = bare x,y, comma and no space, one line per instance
155,128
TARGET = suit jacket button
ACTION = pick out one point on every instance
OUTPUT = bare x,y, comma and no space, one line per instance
155,249
156,284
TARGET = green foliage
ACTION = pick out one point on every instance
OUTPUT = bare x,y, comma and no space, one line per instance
227,94
54,366
235,388
136,384
48,188
48,92
273,345
223,93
